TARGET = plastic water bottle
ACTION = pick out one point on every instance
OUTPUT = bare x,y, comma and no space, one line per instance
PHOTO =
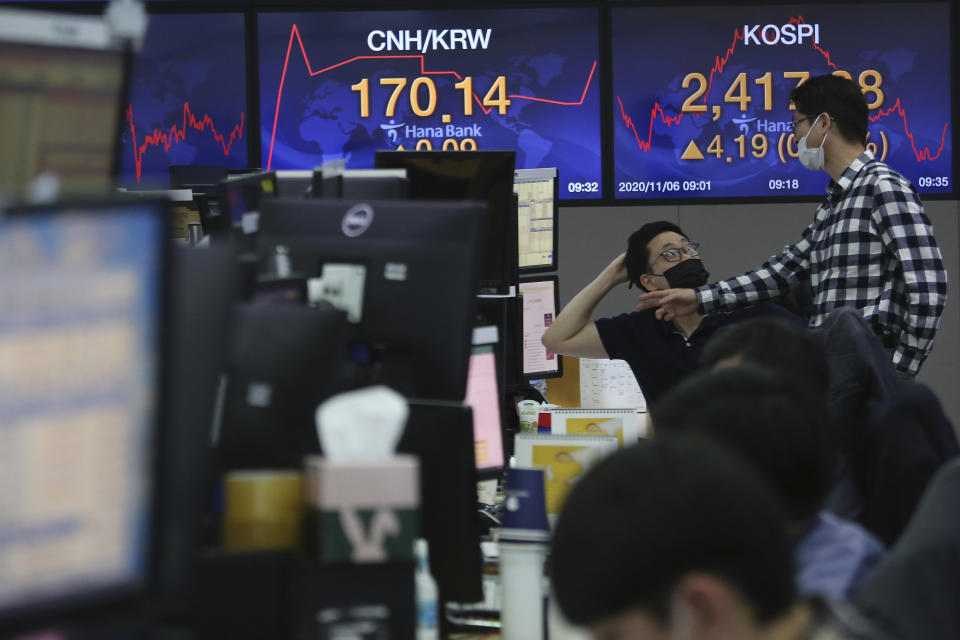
427,595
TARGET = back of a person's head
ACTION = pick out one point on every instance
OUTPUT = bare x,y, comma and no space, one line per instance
650,514
777,424
786,347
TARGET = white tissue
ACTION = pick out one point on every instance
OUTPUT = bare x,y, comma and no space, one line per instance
362,425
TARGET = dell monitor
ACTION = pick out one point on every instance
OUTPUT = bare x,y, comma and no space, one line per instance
81,307
538,196
46,58
485,176
541,299
405,271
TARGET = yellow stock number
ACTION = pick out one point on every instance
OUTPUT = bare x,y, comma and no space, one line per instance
423,95
738,92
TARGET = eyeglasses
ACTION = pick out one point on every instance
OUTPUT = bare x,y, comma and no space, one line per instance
691,249
796,123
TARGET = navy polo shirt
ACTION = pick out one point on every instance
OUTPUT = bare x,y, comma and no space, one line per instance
658,353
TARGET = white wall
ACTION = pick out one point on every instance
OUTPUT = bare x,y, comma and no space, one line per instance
737,237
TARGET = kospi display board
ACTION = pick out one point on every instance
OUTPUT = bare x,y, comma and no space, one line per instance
345,84
701,94
188,97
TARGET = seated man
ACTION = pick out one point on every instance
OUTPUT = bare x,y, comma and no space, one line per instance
680,539
659,256
777,424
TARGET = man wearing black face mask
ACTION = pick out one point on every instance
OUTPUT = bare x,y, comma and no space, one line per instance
659,256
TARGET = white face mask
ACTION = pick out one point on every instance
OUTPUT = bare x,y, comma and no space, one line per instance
812,158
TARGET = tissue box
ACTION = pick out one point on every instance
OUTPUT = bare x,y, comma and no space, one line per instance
362,512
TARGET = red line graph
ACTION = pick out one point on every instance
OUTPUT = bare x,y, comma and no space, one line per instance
922,154
178,134
295,34
823,52
657,111
718,65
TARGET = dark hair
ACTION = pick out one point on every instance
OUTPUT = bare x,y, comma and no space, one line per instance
777,424
837,96
652,513
637,260
787,347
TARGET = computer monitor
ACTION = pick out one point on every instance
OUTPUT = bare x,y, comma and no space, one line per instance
538,194
199,178
81,320
294,183
484,398
541,299
441,436
283,360
506,314
410,287
62,82
243,194
198,325
375,184
486,176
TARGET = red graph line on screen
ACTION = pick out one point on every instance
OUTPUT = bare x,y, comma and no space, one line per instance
178,134
718,65
295,34
657,111
823,52
921,154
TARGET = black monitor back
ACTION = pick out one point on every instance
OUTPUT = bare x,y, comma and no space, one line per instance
354,184
294,183
198,327
283,361
245,193
421,262
198,177
486,176
441,435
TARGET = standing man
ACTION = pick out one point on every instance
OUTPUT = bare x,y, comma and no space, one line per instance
870,246
660,352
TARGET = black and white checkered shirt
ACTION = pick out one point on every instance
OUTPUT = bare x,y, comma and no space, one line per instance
870,246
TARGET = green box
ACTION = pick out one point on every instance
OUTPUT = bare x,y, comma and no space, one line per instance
362,512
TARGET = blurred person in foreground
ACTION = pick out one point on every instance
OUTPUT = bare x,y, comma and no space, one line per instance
692,546
780,427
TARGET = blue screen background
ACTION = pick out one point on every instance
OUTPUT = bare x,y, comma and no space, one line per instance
654,48
188,97
545,54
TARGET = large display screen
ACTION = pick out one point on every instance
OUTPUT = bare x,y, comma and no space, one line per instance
346,84
188,97
701,106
